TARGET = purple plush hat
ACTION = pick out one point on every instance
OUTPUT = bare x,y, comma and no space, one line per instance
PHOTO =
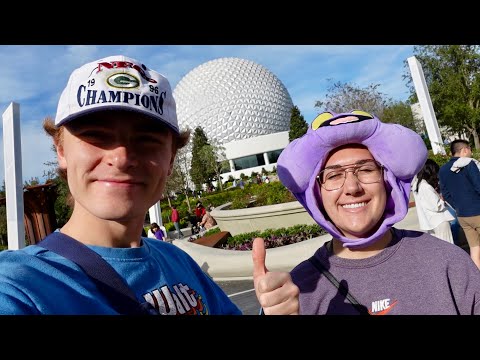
301,161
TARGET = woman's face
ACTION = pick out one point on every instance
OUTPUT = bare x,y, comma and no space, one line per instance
355,208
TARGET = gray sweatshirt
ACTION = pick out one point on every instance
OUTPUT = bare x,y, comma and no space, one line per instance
417,274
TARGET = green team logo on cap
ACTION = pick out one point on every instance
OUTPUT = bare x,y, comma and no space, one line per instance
123,80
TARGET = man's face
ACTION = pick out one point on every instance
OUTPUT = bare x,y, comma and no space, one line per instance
355,208
117,164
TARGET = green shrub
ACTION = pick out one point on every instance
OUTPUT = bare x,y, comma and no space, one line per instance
212,231
275,237
438,158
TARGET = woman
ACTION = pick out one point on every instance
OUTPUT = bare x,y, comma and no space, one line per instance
353,174
157,232
207,221
433,214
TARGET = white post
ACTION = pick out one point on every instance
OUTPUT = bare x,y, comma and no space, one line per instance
12,150
155,213
426,105
265,157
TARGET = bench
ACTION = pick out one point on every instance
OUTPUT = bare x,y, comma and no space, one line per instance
214,240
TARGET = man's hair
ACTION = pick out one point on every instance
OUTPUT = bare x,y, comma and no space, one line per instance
457,145
179,141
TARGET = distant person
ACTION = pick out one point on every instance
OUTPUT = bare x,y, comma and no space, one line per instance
460,187
199,211
207,221
433,215
176,222
151,233
192,219
241,183
157,232
353,174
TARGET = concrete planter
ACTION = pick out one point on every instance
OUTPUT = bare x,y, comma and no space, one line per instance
227,265
277,216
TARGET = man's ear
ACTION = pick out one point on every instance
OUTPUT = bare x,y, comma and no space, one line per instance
62,162
172,160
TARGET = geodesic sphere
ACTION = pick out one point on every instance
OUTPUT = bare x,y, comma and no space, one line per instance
232,99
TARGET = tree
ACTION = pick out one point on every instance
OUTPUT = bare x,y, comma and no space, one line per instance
64,201
214,161
452,74
298,125
32,182
344,97
401,113
197,169
3,225
179,180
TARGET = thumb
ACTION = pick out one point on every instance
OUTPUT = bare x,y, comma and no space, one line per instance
258,256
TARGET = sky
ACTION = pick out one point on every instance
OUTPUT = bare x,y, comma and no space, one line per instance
34,76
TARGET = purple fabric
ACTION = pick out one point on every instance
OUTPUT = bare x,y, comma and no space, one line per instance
400,150
417,274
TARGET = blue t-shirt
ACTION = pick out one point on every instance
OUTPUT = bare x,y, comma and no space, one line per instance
34,280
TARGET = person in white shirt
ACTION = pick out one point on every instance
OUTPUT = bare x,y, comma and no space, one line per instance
433,215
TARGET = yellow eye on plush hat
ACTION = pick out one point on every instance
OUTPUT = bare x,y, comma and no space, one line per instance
320,119
362,113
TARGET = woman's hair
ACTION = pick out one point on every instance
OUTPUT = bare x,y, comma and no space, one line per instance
153,226
429,173
179,141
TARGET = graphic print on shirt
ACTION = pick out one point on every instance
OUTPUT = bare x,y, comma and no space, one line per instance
382,307
180,301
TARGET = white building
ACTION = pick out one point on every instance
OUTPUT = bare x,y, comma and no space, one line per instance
240,104
447,135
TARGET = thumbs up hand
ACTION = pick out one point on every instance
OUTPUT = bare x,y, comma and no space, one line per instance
275,290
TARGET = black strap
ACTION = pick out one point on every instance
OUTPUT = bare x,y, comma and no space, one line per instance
107,280
341,288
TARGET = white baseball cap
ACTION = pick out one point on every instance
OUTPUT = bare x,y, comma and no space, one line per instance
117,83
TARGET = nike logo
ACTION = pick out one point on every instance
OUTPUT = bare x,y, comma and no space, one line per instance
381,307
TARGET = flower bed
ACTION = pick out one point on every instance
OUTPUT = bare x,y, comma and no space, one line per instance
273,237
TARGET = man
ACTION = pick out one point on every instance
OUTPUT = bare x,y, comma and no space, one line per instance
353,174
116,136
176,221
460,187
199,211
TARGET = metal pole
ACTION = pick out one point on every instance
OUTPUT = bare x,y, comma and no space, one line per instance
12,150
426,105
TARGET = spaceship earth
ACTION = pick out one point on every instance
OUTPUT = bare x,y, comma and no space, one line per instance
232,99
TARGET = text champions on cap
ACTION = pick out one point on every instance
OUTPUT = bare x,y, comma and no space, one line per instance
152,102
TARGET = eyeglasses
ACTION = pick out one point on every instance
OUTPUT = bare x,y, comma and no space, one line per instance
367,172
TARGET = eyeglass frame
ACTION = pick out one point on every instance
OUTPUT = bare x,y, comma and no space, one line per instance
355,168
